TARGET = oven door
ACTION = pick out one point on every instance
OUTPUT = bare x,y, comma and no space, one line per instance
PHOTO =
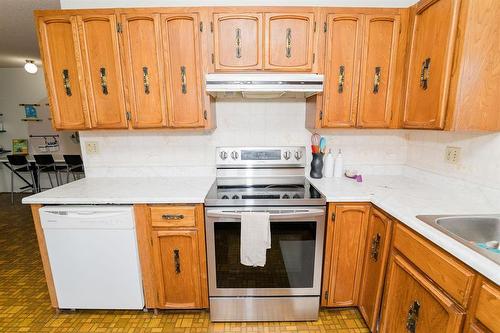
293,264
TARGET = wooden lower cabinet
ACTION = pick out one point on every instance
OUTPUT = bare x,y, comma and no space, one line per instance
344,252
376,254
412,303
484,313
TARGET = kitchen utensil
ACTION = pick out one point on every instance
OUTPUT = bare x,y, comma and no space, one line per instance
315,138
322,145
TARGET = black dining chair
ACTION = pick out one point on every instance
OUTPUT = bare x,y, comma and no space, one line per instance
45,164
74,166
19,163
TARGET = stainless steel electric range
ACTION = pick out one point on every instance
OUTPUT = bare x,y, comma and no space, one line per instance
287,288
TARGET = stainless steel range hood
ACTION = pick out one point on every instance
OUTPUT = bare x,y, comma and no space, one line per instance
264,85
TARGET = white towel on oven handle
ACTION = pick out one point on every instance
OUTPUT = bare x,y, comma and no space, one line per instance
255,238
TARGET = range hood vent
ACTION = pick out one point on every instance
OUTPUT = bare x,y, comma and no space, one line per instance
264,85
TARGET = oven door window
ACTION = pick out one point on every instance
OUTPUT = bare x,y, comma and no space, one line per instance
289,262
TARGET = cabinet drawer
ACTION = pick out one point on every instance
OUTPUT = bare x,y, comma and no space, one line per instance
450,274
173,216
488,307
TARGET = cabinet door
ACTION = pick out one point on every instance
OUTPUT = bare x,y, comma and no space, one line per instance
289,41
143,69
346,234
412,303
430,62
101,59
484,312
183,73
343,52
65,85
376,255
237,41
378,68
177,266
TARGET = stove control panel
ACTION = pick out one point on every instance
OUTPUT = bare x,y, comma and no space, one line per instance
260,156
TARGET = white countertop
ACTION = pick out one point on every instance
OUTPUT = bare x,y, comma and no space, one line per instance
399,196
96,191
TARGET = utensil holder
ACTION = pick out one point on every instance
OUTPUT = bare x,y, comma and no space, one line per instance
317,166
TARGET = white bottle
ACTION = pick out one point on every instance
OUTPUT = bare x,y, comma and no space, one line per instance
328,166
339,165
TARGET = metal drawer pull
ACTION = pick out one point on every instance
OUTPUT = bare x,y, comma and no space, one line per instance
411,320
104,81
183,80
145,78
376,80
177,261
172,216
424,73
375,247
288,43
238,43
66,85
341,79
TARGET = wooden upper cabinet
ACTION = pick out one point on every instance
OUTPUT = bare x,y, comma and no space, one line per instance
342,65
378,69
237,41
65,86
102,70
143,70
412,303
289,41
177,266
183,74
430,63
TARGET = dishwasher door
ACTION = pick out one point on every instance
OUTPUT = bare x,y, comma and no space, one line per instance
93,256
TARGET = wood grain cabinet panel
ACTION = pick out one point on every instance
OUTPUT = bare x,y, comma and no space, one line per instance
375,259
430,61
378,70
177,267
412,303
237,41
342,66
101,59
289,41
344,253
484,312
59,46
183,75
143,69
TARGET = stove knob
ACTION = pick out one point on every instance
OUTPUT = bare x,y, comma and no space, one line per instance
287,154
235,197
225,197
223,155
296,196
298,155
285,196
234,155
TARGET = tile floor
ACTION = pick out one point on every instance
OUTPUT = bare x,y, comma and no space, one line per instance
24,301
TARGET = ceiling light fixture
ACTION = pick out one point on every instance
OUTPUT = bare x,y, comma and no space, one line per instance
30,67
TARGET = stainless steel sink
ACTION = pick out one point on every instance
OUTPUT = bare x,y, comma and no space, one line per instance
478,232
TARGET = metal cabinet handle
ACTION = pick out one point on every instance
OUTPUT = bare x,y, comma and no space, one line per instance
104,81
341,79
411,320
172,216
288,42
183,80
376,80
66,85
177,261
238,43
424,73
145,79
375,247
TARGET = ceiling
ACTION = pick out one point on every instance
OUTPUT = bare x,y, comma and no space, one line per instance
17,31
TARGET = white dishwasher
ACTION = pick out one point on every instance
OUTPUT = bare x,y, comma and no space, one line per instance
93,256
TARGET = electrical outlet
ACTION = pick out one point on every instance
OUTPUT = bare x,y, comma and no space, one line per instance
452,154
91,147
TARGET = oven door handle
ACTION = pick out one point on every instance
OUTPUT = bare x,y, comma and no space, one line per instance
302,213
